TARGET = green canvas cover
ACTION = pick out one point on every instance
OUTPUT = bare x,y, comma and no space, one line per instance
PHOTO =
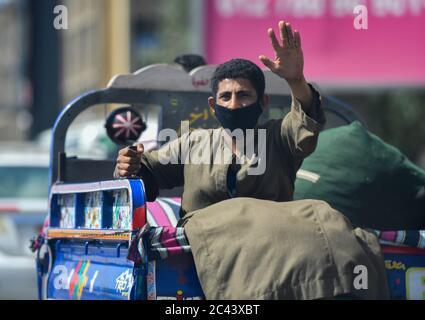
366,179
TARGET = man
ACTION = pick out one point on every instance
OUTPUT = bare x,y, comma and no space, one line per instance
238,87
248,239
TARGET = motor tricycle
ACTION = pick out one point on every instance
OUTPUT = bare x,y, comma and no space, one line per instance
103,240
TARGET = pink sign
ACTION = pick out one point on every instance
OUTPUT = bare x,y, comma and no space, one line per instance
390,52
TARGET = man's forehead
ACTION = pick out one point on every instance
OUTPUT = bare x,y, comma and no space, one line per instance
235,84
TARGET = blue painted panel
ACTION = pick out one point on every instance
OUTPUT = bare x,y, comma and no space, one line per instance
99,274
406,275
176,277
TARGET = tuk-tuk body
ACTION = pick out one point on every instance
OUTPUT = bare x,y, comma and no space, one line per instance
104,241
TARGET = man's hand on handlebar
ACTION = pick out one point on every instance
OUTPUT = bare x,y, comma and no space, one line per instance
129,161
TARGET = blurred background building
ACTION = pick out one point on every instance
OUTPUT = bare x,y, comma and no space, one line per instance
14,82
42,69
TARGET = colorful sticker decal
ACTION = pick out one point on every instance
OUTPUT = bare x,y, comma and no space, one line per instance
79,280
174,298
121,215
67,211
151,280
415,284
84,279
179,295
392,264
92,210
124,283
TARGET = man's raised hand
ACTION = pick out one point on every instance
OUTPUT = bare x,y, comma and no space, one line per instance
129,161
288,62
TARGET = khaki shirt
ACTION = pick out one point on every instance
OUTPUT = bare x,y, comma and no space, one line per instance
286,143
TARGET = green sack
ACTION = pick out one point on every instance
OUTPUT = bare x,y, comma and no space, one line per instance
369,181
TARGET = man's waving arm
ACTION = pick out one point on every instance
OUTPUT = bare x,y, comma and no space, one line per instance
301,126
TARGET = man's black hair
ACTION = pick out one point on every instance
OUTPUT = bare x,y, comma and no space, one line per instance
190,61
239,68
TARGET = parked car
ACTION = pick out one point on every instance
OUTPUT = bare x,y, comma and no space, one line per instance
24,172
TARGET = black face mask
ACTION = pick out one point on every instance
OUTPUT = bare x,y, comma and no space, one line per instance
241,118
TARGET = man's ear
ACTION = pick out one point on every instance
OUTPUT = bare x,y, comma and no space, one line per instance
266,101
211,103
